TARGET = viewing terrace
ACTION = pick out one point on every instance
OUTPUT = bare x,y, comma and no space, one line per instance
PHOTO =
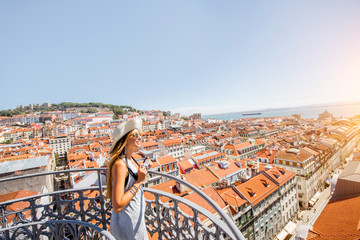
84,213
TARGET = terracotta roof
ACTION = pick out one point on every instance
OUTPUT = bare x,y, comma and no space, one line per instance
185,164
73,157
18,205
339,220
311,151
172,142
207,155
166,160
266,153
285,155
195,198
257,188
321,146
149,144
221,173
232,198
280,175
169,187
201,177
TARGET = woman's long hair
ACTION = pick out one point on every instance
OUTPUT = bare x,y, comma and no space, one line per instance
117,153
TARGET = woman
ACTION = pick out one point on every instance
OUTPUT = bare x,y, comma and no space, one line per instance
124,179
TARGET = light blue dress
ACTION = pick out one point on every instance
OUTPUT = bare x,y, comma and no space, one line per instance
129,223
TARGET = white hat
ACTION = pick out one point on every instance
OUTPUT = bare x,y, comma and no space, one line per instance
124,128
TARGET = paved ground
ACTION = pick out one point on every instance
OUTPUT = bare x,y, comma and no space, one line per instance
309,216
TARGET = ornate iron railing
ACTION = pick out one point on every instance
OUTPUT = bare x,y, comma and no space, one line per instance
165,220
57,230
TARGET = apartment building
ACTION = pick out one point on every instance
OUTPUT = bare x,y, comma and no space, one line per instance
61,144
175,147
204,158
168,164
151,126
100,130
61,129
266,155
238,151
263,196
196,140
286,180
251,132
150,145
228,171
23,119
185,166
302,163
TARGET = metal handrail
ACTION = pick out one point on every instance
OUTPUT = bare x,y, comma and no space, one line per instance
235,233
52,173
56,222
200,209
48,194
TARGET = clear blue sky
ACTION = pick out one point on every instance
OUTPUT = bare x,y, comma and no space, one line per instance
185,56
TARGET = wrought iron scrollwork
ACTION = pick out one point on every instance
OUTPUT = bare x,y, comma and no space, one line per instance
167,220
55,229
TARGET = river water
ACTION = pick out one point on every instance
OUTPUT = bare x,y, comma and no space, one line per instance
308,112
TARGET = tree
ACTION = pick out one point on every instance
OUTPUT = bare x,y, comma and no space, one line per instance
91,110
6,113
116,109
10,141
57,159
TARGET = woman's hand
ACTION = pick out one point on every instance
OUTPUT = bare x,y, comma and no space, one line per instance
141,173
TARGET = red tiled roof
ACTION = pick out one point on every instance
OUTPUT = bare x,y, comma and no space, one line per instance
232,198
18,206
169,187
172,142
185,164
166,160
265,153
302,156
149,144
201,177
197,155
340,219
280,175
221,173
195,198
255,190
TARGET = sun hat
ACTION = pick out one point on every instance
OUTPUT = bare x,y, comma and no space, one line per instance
122,129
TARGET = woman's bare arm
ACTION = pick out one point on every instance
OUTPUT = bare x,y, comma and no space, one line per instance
119,198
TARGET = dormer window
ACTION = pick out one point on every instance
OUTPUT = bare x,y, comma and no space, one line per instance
276,174
264,182
251,192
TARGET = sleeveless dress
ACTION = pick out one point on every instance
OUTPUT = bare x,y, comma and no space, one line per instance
129,223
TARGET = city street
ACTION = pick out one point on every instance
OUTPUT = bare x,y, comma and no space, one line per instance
308,217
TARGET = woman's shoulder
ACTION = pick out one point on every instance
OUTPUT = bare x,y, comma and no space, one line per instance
120,163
